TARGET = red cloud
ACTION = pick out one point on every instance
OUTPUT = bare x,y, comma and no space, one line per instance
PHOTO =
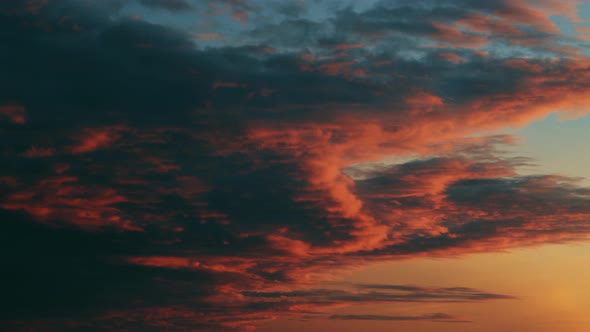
14,113
63,198
93,139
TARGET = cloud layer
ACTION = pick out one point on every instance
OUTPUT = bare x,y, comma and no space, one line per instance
159,180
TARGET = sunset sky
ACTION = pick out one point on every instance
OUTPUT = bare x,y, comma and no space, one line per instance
295,165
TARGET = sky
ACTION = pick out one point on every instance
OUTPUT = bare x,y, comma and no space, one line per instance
294,165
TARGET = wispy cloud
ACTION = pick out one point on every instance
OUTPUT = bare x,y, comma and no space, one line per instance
437,317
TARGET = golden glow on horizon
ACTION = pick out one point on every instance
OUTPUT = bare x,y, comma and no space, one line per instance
550,282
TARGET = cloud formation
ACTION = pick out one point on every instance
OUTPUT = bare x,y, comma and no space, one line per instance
437,317
154,181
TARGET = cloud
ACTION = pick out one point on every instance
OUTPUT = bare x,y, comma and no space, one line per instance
14,113
437,317
384,293
94,139
161,183
172,5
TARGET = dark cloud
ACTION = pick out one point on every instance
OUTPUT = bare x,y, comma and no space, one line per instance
173,5
437,317
385,293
